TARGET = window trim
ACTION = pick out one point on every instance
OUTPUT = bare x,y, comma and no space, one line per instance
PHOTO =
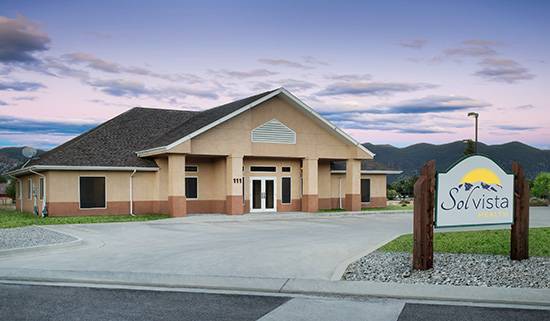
41,187
195,198
79,199
269,165
190,165
290,201
20,194
29,188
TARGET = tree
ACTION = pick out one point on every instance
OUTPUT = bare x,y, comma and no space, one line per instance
470,147
405,186
11,190
3,179
541,185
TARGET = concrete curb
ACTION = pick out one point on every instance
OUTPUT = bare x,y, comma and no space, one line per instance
536,297
39,248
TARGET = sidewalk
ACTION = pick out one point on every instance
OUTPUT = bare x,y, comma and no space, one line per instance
538,297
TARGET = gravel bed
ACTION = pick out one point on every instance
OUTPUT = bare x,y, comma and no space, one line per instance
453,269
29,236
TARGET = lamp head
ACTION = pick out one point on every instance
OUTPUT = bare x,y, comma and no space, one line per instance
470,114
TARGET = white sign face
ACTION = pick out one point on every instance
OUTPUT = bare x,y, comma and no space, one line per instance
476,191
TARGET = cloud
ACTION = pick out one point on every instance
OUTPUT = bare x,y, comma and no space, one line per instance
472,48
20,86
516,128
314,61
3,103
283,63
525,107
244,74
129,88
93,62
14,126
425,105
348,77
503,70
20,39
372,88
290,84
412,124
414,43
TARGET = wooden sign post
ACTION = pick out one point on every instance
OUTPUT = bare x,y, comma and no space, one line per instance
423,229
519,247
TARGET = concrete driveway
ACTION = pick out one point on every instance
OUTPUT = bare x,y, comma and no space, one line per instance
305,246
310,246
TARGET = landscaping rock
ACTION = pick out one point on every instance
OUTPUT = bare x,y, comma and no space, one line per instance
30,236
453,269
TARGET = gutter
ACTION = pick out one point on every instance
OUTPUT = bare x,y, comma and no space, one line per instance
79,168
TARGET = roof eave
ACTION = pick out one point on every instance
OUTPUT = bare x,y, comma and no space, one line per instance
24,170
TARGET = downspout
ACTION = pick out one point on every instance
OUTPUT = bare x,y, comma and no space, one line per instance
340,192
44,209
131,192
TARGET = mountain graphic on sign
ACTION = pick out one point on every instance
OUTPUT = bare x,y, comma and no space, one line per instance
482,177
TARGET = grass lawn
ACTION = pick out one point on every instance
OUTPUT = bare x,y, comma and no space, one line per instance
408,207
10,218
480,242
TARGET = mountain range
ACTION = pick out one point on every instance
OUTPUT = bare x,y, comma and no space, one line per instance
408,159
411,158
11,156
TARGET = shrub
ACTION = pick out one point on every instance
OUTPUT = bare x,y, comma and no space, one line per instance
391,194
534,201
541,185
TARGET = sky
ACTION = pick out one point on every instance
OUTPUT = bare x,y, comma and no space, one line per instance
386,72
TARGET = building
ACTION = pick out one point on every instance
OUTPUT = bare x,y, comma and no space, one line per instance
268,152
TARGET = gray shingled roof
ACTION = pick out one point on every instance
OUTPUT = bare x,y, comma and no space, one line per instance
367,165
115,142
203,119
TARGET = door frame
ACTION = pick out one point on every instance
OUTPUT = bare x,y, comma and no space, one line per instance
263,179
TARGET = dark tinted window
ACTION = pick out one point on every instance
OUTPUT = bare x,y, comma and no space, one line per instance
286,169
191,188
365,190
92,192
285,195
263,168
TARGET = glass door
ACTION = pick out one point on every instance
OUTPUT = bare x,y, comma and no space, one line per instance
263,197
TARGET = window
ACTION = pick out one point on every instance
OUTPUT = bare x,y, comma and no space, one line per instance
92,192
29,190
263,168
41,181
285,193
365,190
191,187
192,168
286,169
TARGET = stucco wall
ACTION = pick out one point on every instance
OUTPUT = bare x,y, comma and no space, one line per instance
377,191
233,137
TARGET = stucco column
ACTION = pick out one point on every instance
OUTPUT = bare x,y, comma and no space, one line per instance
352,201
310,181
234,185
177,204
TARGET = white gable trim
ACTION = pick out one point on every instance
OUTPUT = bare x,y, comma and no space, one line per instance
253,104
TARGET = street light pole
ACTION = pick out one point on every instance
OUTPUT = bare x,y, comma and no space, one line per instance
475,115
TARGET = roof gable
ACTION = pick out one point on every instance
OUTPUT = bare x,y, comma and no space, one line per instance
226,112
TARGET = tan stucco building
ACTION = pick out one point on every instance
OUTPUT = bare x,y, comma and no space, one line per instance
268,152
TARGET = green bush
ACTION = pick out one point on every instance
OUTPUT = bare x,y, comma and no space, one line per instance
391,194
541,185
534,201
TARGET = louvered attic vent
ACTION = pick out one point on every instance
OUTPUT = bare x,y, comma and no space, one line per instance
273,132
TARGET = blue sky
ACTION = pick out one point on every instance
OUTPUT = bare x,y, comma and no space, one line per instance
397,72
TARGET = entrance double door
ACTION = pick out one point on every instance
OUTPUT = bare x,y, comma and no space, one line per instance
263,196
